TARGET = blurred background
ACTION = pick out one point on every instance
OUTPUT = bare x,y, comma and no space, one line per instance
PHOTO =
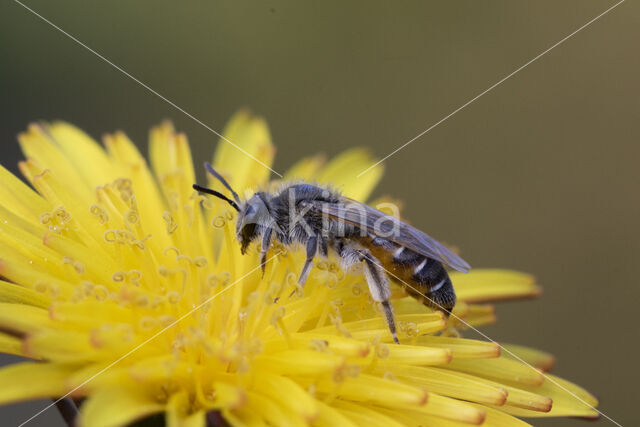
541,174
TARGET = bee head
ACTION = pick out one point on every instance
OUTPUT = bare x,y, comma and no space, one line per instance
253,218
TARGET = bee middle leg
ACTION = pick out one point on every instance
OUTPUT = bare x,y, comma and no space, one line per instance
312,249
266,242
379,288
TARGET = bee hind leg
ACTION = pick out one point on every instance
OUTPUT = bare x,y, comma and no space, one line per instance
379,288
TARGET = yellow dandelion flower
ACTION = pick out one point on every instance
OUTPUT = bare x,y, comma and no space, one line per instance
128,291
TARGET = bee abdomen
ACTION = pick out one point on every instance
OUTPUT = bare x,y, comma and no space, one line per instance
431,277
406,257
423,278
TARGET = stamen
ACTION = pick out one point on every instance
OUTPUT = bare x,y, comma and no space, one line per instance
219,221
171,223
200,261
142,301
147,323
131,217
357,290
319,345
124,186
381,350
166,320
389,376
99,212
100,292
77,265
173,297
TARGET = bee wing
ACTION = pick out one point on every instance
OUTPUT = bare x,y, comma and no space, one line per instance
390,228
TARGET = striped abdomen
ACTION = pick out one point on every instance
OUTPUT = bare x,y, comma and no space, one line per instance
421,276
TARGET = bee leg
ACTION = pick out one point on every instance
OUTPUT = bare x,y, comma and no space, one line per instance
312,248
266,242
379,288
322,245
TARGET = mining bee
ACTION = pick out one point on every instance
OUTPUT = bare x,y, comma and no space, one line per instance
321,219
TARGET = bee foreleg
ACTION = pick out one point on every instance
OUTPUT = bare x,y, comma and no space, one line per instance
312,248
266,242
379,288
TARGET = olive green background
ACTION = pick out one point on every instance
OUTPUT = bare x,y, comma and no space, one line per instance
540,174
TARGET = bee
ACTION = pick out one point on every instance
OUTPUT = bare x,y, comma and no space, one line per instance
322,220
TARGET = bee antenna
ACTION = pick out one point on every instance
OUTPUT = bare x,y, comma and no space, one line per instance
213,172
217,194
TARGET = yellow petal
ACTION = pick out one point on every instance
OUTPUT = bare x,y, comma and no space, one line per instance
488,284
21,221
147,194
305,169
67,346
243,417
85,154
244,157
372,389
273,413
365,415
12,293
171,158
450,409
21,271
300,362
341,172
336,344
414,418
500,369
527,400
18,198
286,393
80,219
497,418
365,330
417,355
477,315
568,400
179,412
162,153
30,246
331,417
517,397
449,383
25,268
184,162
10,345
228,396
21,318
29,380
537,358
494,418
462,348
114,407
38,145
